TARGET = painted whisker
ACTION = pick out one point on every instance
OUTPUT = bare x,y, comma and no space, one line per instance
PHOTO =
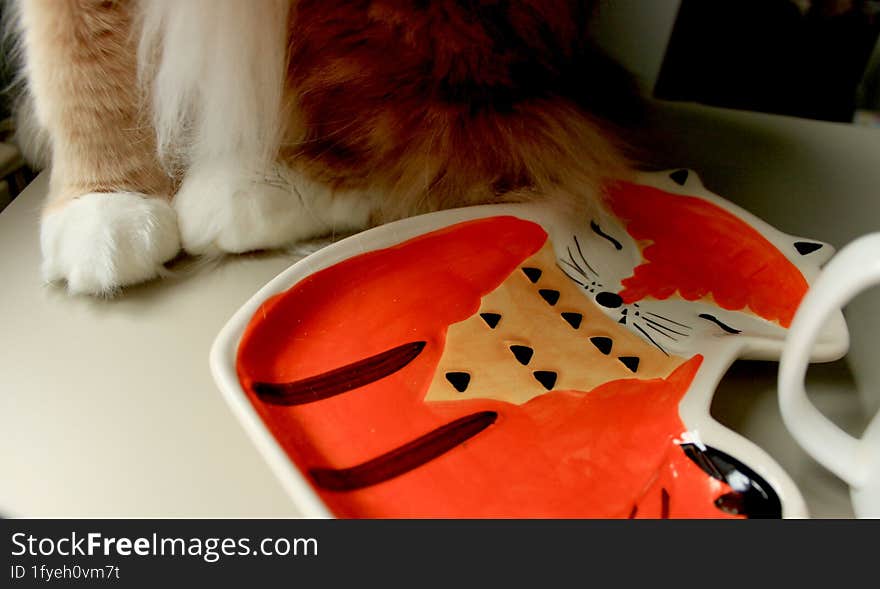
571,277
576,268
573,261
581,253
645,333
655,324
667,319
663,333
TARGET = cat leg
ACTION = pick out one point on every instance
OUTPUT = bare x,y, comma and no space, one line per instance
223,208
220,65
107,221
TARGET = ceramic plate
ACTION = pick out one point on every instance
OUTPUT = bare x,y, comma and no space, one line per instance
524,361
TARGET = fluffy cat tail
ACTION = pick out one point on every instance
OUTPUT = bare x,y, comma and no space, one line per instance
213,71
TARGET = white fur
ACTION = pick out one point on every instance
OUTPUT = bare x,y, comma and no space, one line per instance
216,69
99,242
222,209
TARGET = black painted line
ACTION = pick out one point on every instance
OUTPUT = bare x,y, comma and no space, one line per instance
664,327
650,338
663,333
598,231
570,276
576,268
719,323
573,261
581,254
404,458
669,329
667,319
339,380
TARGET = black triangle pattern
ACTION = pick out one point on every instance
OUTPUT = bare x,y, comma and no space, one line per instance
573,319
631,362
523,354
491,319
549,295
533,274
546,377
603,344
460,380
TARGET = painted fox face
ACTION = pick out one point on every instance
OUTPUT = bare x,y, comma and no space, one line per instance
516,362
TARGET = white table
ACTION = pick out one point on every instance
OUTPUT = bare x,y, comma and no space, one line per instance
108,409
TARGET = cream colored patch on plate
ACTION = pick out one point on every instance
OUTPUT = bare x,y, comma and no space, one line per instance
533,348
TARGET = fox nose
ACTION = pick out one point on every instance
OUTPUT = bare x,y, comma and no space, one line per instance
609,299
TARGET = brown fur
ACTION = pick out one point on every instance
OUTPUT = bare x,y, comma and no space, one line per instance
430,104
447,102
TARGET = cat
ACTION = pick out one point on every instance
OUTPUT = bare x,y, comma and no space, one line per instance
221,126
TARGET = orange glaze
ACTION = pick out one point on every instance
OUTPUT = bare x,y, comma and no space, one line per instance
606,453
688,237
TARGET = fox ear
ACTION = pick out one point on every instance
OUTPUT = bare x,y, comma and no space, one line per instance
811,251
805,248
680,177
722,250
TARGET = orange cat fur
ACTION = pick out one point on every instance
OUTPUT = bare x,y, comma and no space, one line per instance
280,120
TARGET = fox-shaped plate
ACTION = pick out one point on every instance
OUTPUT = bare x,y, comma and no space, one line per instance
525,361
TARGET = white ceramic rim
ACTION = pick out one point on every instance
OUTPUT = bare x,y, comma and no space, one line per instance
694,406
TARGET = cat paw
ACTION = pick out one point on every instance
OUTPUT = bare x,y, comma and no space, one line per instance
220,209
102,241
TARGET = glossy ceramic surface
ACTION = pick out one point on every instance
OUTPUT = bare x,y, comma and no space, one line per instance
522,361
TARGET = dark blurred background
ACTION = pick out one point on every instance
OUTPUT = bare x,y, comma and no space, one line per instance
15,174
806,58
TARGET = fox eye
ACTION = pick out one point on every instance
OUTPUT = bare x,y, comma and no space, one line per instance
598,231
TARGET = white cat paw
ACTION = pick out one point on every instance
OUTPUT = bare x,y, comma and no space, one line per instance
221,209
102,241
